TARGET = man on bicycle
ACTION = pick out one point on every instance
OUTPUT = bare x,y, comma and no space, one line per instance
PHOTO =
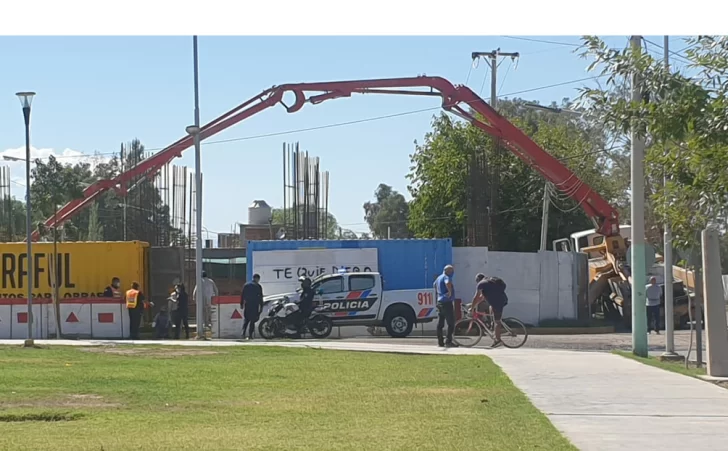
493,291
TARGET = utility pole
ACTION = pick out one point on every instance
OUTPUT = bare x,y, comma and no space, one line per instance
639,268
667,257
545,215
492,59
715,319
124,187
200,308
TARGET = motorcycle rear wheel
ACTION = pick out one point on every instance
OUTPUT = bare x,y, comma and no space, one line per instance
320,326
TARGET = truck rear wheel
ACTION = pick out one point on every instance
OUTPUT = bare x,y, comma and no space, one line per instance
399,322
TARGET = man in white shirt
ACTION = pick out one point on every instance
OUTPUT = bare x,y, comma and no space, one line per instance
209,289
654,294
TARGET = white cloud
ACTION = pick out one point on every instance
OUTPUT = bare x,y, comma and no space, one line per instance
17,168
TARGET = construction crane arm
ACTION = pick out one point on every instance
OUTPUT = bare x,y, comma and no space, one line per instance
459,100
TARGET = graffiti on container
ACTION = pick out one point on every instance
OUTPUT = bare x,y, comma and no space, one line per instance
314,271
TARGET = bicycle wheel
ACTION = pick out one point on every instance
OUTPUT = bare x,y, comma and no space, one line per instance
468,333
514,333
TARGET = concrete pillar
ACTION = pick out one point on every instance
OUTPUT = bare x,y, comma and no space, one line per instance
716,330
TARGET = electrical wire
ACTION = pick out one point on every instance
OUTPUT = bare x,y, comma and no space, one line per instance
543,41
505,77
467,79
677,55
341,124
485,77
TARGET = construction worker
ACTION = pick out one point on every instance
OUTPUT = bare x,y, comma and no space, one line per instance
135,305
113,291
209,290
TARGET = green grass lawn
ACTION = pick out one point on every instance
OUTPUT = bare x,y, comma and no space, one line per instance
245,398
676,367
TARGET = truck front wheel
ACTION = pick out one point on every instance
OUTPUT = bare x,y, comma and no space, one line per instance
399,322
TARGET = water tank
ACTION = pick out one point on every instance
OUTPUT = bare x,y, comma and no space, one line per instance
259,213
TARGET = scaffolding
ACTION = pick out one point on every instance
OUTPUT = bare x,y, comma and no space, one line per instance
305,195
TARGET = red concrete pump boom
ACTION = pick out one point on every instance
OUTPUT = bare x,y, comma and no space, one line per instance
459,100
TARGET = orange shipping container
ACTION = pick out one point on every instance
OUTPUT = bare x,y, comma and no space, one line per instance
85,269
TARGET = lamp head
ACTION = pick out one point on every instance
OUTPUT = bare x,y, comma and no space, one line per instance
26,98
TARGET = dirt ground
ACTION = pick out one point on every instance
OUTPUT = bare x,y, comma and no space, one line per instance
162,353
68,401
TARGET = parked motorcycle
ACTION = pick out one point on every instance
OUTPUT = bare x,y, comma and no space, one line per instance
280,317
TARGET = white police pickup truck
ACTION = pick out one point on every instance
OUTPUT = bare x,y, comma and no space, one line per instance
357,299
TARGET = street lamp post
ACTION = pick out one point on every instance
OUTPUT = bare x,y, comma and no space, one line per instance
194,131
26,99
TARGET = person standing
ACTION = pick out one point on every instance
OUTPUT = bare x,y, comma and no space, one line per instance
251,302
113,291
445,309
209,290
135,307
654,294
181,314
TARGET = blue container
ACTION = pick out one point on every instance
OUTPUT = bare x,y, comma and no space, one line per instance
404,264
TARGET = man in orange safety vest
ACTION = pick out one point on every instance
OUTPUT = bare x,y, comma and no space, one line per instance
135,305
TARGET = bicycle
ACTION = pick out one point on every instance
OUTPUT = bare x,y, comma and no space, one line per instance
474,326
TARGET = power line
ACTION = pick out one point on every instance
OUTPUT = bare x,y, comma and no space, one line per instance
677,55
485,78
341,124
543,41
505,77
553,85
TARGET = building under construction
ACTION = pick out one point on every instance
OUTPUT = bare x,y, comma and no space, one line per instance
305,196
9,229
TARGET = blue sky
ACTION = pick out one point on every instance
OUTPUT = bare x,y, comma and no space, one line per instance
94,93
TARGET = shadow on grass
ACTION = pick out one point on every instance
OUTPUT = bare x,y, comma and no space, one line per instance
38,417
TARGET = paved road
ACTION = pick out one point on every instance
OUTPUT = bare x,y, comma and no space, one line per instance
590,342
600,401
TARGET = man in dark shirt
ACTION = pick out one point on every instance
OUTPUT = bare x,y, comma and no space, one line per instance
493,291
251,301
307,295
305,304
113,291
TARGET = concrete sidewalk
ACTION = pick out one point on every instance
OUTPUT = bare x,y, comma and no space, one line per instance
600,401
605,402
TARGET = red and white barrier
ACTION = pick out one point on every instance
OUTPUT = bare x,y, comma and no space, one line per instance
75,317
227,317
18,317
109,319
5,320
80,317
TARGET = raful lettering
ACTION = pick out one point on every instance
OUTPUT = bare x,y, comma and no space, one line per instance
14,270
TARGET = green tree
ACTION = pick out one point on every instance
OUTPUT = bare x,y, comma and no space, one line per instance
388,214
95,229
347,234
147,216
332,226
12,219
54,184
440,182
684,121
